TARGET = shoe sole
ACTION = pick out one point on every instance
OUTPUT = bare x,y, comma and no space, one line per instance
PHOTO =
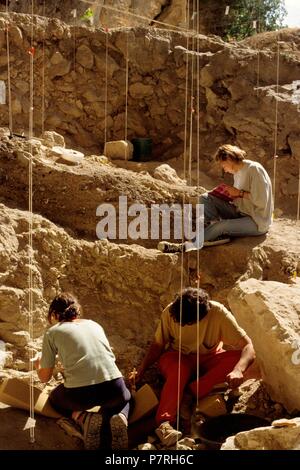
119,435
92,430
164,247
216,242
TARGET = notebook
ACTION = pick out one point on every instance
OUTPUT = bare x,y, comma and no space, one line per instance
221,192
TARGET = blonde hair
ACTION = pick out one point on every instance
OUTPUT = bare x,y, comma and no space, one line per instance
230,152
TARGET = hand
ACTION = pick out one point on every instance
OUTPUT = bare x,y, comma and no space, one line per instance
235,378
232,191
195,278
59,367
37,362
135,377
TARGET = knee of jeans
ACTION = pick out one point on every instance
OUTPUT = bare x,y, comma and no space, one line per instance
203,198
222,226
126,396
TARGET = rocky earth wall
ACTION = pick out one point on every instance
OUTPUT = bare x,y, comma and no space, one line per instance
70,195
70,86
211,18
123,288
270,314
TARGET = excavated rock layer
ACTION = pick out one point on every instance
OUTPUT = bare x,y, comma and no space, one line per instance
123,288
69,195
270,313
238,94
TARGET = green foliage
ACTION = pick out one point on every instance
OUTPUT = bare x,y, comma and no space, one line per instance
268,14
88,14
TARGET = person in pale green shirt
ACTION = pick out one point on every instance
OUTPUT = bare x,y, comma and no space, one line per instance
91,376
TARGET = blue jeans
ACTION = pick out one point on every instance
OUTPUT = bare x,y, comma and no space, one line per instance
226,220
113,396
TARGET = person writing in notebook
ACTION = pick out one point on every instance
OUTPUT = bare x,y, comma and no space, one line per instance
242,210
191,331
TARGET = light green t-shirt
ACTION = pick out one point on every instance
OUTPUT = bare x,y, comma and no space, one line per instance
83,350
218,327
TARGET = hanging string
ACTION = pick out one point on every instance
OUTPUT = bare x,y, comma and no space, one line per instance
10,118
126,96
43,73
106,86
191,123
186,95
183,202
74,14
30,218
198,184
276,125
258,30
258,72
258,66
192,109
298,202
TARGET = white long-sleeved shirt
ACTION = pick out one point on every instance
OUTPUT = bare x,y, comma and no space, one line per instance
253,178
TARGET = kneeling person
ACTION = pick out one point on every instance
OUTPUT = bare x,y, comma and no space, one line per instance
91,375
192,330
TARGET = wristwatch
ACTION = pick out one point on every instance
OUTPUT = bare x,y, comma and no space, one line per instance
242,192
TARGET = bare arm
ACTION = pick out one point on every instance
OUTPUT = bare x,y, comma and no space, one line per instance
44,373
235,377
154,352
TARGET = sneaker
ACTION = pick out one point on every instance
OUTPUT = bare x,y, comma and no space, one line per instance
190,246
118,428
217,241
90,424
167,247
168,436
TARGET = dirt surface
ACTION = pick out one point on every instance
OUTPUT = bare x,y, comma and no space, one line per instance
48,435
251,398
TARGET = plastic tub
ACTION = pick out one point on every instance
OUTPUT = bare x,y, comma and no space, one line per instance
142,149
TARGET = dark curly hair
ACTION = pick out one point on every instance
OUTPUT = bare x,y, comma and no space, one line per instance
193,304
64,307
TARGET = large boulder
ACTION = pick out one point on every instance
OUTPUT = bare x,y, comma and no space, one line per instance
168,174
119,149
270,313
282,435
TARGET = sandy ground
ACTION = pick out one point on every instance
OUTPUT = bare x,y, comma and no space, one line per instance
48,435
